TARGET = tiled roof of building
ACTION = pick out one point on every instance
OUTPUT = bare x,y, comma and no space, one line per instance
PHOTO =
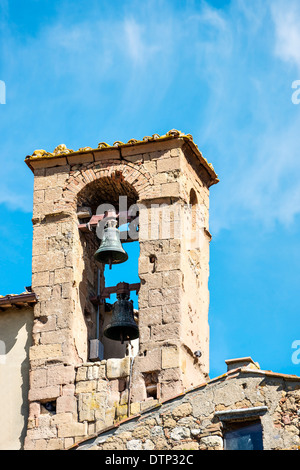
63,151
18,300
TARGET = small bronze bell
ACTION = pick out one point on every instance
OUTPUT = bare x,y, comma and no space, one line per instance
122,326
111,250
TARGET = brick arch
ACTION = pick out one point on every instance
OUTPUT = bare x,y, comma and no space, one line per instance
135,175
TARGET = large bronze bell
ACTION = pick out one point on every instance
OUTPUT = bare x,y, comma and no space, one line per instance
122,326
111,250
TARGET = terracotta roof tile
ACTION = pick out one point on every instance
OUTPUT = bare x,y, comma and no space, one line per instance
17,300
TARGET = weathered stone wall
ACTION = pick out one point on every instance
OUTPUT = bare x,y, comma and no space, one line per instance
194,421
287,417
173,323
195,266
96,397
94,412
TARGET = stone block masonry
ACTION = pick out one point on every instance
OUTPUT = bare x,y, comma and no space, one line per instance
94,413
198,419
69,399
68,404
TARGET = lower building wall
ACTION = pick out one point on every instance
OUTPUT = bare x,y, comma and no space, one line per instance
95,410
15,328
197,420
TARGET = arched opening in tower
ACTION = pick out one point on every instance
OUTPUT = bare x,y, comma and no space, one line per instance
109,224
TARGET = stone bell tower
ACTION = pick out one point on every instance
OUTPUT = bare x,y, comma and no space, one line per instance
165,183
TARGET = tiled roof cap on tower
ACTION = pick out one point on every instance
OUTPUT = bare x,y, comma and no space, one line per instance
63,151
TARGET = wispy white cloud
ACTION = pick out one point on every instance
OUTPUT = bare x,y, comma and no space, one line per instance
138,50
287,40
250,123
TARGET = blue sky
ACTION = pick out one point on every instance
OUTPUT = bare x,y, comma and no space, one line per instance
83,72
